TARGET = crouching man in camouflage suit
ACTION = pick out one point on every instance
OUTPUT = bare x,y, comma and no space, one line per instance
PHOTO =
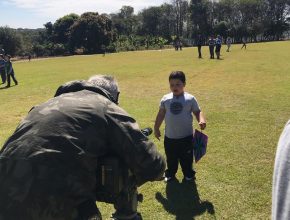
48,166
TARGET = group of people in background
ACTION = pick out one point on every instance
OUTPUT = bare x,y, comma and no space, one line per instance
215,45
6,70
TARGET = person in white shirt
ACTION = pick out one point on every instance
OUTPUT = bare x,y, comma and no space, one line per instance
177,108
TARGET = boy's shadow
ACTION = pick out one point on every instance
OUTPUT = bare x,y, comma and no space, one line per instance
182,199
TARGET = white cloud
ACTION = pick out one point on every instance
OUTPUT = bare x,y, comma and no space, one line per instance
58,8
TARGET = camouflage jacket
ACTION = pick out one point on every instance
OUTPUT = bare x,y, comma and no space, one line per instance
49,163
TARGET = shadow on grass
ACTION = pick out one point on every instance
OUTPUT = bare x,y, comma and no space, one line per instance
182,199
5,87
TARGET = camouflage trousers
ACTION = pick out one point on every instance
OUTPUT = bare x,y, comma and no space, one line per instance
37,191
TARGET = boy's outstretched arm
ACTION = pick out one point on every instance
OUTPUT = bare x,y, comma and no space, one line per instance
159,119
200,119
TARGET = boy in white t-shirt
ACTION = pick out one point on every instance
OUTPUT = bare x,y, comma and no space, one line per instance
177,108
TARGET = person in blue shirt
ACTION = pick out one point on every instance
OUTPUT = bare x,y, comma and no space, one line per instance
218,45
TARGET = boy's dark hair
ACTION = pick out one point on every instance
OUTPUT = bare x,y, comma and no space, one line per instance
177,75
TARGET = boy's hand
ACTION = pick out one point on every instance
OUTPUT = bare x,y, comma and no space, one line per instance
157,134
202,125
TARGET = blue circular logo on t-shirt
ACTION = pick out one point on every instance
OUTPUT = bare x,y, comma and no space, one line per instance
176,108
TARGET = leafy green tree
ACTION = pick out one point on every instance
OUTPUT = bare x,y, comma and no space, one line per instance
10,41
278,11
221,28
47,35
150,21
40,50
226,10
161,42
199,12
92,31
157,21
180,8
251,15
61,28
129,19
167,21
29,38
125,22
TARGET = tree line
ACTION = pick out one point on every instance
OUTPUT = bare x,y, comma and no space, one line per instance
152,27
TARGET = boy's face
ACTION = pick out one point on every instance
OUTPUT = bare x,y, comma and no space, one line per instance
176,86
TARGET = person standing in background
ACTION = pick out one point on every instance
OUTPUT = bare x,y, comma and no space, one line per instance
229,43
199,43
244,43
218,45
211,44
10,72
2,68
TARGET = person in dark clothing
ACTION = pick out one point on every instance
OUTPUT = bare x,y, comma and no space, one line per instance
244,42
177,44
48,165
199,43
10,72
211,44
2,68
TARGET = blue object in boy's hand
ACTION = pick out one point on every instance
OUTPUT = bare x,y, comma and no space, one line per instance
199,145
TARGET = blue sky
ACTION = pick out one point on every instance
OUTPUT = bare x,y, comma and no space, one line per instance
35,13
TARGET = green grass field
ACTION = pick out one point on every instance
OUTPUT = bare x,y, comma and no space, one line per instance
245,98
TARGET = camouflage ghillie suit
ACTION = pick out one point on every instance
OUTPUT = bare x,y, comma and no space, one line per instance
48,166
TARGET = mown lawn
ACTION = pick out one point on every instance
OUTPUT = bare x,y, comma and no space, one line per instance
245,97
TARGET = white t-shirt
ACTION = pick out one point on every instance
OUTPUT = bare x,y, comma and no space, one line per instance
178,116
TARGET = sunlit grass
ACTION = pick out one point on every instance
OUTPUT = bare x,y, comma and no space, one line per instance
245,98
